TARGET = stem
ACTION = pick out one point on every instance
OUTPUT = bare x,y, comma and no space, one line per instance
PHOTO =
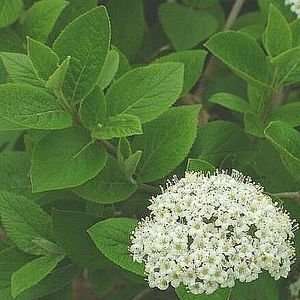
143,293
288,195
212,62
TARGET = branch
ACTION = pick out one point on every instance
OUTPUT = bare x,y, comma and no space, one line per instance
288,195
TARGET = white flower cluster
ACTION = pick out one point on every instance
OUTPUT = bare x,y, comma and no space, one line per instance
295,6
295,289
206,231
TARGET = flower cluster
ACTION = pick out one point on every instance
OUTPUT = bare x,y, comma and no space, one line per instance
295,6
206,231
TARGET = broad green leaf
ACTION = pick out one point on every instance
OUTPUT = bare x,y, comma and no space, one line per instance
288,113
55,281
254,124
278,35
219,140
258,97
31,107
20,69
146,92
199,165
287,141
14,170
130,164
8,139
32,273
111,236
40,18
230,101
118,126
44,60
166,142
178,20
11,259
220,294
93,109
10,41
109,186
124,65
193,61
264,6
128,25
87,41
251,63
109,69
70,232
264,288
288,66
10,10
64,159
56,81
124,149
200,3
24,221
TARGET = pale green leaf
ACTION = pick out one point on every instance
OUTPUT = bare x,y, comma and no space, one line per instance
10,10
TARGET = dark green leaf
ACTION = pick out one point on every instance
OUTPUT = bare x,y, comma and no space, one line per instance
166,142
44,60
87,41
254,124
31,107
110,186
40,19
32,273
111,236
199,165
146,92
64,159
278,35
178,20
251,63
288,113
24,221
193,61
10,10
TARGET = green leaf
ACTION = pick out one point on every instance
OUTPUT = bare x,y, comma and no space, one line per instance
55,281
197,23
20,69
199,165
109,186
219,140
10,41
166,142
124,149
193,61
93,109
287,141
278,35
112,236
221,294
40,18
87,41
295,28
24,221
128,25
32,107
56,81
32,273
264,288
288,113
64,159
254,124
109,70
11,259
14,169
250,64
10,10
288,66
70,232
231,102
118,126
130,164
146,92
44,59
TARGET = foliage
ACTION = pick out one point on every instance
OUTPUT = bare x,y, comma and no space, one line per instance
101,103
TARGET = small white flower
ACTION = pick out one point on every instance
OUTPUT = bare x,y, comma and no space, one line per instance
295,6
207,231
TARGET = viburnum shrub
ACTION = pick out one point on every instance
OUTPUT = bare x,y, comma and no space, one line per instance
149,150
